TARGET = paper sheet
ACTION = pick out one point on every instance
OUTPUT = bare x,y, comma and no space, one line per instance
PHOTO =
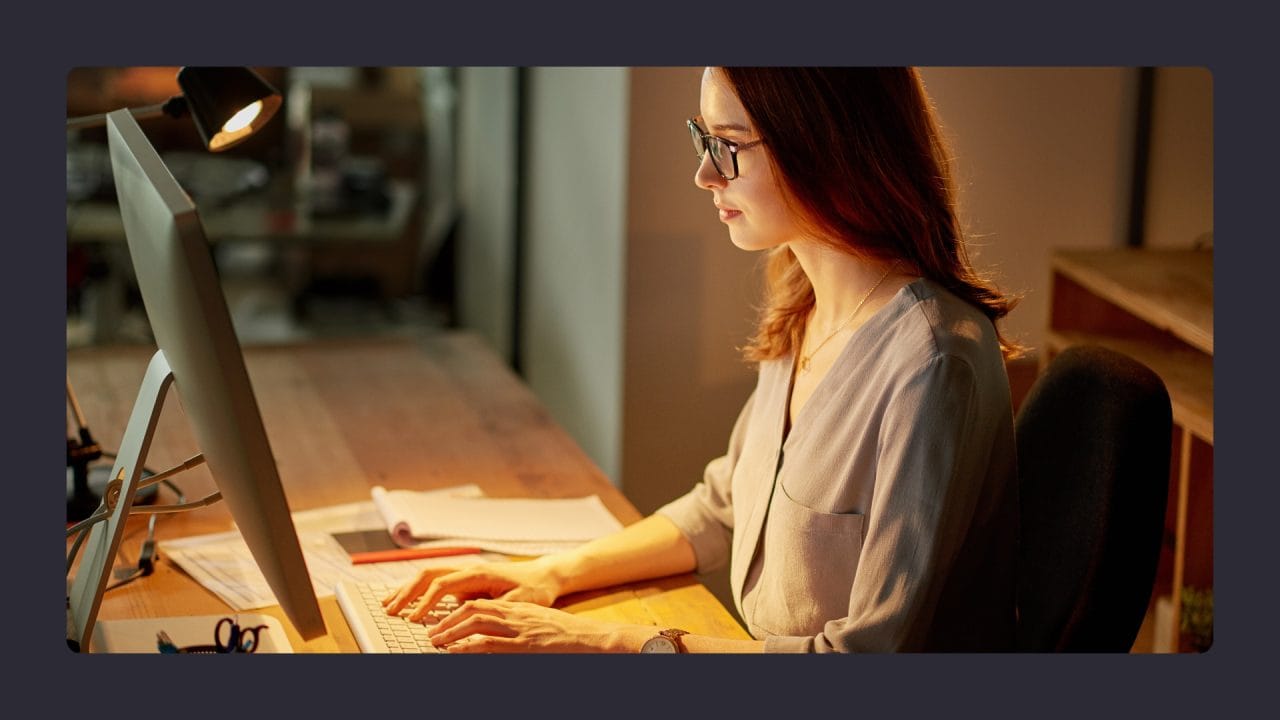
389,515
415,516
222,563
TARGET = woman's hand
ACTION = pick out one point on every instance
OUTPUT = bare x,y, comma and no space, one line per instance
499,626
530,581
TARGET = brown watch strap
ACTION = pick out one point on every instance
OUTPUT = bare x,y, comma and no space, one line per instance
674,634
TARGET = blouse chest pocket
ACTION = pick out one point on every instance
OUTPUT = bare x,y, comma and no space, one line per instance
809,561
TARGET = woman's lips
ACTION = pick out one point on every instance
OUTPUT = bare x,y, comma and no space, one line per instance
727,214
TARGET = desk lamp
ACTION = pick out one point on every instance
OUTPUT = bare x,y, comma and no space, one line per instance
227,105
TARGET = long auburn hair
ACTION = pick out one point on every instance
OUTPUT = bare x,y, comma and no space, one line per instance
862,163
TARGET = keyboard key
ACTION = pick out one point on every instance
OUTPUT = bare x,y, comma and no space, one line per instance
377,632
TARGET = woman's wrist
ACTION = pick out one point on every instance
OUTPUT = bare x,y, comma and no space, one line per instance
629,638
556,573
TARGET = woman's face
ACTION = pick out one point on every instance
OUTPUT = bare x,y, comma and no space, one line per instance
751,204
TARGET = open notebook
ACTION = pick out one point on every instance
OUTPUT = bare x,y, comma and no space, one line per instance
517,526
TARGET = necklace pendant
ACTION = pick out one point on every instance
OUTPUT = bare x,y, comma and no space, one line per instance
804,364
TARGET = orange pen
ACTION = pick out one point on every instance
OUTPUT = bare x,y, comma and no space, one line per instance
373,556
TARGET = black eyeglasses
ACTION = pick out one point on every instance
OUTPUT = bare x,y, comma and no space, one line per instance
724,153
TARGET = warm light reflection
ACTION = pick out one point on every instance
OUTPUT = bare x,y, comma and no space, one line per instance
242,119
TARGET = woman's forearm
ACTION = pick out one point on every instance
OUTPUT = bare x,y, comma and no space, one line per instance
653,547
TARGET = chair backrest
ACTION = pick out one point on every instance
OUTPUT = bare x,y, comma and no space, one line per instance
1094,439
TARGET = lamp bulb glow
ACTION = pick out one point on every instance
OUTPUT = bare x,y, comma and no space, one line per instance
244,118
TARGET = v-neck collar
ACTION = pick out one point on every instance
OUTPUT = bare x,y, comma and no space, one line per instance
820,394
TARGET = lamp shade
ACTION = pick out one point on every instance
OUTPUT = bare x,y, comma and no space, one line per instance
228,104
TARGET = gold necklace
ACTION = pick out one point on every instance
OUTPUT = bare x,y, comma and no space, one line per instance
805,360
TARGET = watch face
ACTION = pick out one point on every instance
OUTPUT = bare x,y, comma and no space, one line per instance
659,644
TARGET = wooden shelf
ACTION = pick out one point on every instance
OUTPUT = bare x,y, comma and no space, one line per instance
1155,306
1171,290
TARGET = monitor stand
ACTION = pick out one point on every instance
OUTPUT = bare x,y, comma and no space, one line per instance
87,478
85,485
99,550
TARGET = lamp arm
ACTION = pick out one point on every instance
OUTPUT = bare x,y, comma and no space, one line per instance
75,406
174,107
87,450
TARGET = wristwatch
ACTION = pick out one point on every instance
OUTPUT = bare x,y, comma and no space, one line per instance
667,641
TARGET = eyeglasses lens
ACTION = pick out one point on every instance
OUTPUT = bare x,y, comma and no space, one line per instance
696,134
719,153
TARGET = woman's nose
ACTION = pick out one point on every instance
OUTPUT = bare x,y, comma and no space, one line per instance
706,176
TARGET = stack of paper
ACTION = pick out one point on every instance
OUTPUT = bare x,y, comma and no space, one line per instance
222,563
515,526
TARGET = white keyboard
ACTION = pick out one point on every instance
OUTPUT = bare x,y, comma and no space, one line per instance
376,631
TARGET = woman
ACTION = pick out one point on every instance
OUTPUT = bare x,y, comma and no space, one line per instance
867,501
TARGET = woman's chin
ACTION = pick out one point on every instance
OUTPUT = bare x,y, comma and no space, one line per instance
745,241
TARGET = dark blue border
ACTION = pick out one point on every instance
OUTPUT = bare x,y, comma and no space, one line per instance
1234,44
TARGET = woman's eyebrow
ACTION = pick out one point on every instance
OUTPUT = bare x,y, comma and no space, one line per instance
730,127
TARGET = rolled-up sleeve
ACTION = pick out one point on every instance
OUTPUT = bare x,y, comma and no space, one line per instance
705,514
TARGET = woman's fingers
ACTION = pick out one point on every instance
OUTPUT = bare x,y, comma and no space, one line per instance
405,594
466,611
508,581
498,626
432,584
460,585
474,618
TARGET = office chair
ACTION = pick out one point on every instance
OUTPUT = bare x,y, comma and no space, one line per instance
1094,438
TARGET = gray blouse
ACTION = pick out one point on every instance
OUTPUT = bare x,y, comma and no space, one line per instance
886,519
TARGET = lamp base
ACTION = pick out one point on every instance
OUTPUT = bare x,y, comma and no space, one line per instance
83,498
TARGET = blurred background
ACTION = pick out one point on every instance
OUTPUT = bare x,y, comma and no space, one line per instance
552,211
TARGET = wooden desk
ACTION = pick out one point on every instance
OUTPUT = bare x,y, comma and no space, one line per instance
1157,307
344,416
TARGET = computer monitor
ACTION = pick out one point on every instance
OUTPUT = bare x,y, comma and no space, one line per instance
199,353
